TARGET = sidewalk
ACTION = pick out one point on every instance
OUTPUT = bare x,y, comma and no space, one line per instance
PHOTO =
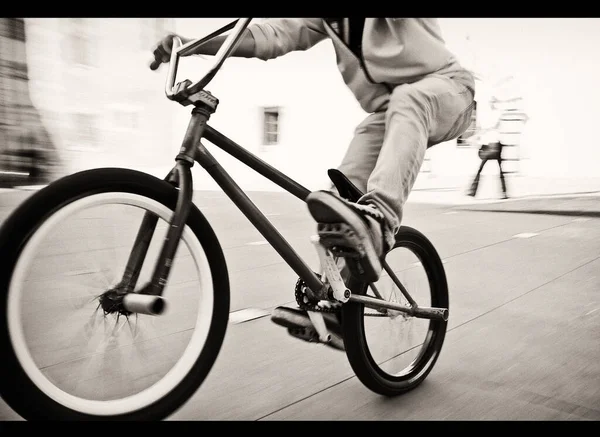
451,190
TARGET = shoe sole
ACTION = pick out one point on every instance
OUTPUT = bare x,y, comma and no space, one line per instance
298,325
340,229
310,335
297,319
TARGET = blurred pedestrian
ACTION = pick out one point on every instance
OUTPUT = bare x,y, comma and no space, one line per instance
491,151
490,144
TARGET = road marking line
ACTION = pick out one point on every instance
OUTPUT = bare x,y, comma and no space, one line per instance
245,315
581,219
257,243
587,314
525,235
83,272
16,173
30,187
450,212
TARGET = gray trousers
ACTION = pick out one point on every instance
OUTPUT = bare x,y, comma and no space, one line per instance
385,156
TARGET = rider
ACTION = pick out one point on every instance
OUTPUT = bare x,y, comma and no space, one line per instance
414,90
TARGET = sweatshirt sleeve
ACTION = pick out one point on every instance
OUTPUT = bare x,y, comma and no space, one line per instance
275,37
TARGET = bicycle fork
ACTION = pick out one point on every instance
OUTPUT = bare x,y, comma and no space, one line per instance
149,300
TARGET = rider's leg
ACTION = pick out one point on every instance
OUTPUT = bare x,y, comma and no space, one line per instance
357,164
432,110
362,153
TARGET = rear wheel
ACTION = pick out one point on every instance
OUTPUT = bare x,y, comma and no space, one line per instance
67,357
390,351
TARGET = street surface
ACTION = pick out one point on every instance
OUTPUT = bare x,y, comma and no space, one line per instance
523,341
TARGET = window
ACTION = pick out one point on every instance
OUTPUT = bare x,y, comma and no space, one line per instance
426,166
125,119
79,50
76,50
83,131
270,126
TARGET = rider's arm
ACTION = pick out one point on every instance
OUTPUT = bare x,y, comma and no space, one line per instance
274,37
245,48
271,38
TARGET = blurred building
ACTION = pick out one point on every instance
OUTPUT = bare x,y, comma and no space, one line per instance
27,153
89,78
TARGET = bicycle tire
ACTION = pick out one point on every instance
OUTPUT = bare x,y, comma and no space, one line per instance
353,328
16,388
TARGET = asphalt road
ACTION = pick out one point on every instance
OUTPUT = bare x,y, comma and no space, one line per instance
524,333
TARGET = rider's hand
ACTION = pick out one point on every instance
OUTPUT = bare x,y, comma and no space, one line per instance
162,53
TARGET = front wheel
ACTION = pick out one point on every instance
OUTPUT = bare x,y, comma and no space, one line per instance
390,351
67,357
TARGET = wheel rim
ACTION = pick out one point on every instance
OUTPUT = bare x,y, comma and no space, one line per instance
184,364
400,347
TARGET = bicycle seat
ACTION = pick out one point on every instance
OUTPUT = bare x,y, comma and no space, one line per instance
345,187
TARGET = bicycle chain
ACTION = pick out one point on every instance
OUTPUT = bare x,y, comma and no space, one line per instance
305,303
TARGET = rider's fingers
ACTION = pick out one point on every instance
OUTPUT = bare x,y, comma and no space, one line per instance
167,43
160,55
157,54
159,58
155,64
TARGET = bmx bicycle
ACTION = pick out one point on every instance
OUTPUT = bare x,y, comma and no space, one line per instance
71,328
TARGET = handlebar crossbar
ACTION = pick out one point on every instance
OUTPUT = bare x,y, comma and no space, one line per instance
183,90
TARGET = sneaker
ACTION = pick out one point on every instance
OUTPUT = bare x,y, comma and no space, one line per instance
352,230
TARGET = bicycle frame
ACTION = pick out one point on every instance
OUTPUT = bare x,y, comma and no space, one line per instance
191,151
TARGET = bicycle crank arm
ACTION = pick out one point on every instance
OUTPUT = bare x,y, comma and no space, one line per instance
317,320
419,312
331,272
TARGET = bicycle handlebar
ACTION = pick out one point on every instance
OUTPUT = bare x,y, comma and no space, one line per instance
187,88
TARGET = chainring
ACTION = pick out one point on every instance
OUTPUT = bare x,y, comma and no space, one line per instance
306,303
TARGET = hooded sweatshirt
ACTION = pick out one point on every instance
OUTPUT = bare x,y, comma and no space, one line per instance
392,51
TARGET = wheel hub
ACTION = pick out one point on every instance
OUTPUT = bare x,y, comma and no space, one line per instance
111,301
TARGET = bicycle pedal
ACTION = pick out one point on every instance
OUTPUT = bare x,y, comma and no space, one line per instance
340,239
294,318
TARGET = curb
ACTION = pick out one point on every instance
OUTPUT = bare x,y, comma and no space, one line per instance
461,199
